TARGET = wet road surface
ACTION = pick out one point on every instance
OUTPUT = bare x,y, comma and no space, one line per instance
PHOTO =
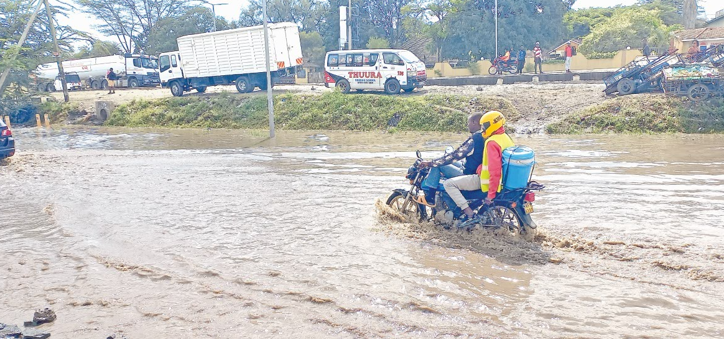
224,234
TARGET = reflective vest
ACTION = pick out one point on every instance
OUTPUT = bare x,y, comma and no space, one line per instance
504,141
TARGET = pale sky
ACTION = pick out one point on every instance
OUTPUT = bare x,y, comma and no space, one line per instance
233,9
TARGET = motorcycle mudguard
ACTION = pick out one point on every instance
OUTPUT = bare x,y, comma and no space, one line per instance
525,218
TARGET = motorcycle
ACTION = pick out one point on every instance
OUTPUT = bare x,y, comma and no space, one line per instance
499,66
510,211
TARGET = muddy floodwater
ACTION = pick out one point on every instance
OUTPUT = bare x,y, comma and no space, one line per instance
225,234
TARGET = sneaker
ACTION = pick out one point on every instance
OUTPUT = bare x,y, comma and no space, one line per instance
468,222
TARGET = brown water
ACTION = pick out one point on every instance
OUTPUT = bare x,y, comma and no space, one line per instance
224,234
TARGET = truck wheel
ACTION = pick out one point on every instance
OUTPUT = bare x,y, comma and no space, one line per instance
104,84
132,83
626,86
698,92
243,85
343,85
51,88
176,89
95,85
41,88
201,89
392,86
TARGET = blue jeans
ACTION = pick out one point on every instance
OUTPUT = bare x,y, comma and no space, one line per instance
433,179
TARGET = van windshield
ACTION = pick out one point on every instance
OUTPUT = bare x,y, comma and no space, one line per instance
408,56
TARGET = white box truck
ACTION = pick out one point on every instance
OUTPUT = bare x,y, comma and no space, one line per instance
231,57
133,70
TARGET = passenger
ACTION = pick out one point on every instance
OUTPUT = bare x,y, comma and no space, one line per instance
491,169
693,51
471,150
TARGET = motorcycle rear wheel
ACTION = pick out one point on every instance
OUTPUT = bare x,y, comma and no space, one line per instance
506,220
412,211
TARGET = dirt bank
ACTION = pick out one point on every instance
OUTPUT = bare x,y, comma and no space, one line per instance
538,104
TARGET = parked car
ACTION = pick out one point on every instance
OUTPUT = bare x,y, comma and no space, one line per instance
72,80
7,143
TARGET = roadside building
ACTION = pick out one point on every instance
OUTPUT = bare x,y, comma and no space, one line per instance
707,37
718,20
560,51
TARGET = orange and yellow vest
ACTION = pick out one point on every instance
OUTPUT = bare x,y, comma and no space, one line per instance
504,141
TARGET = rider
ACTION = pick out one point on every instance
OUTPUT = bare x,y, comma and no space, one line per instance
506,58
471,150
490,175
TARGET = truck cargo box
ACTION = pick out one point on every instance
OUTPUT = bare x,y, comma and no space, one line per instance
239,51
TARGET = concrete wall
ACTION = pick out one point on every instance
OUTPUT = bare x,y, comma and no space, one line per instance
579,62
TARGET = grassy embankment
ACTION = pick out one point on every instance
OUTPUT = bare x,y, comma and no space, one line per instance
645,114
445,113
330,111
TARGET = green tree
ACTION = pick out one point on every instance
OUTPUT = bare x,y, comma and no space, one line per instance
312,48
37,49
98,48
627,27
192,20
131,22
373,43
469,26
308,14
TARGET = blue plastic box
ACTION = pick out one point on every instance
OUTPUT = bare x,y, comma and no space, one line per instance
518,163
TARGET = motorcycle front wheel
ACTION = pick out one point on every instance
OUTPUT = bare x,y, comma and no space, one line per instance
412,212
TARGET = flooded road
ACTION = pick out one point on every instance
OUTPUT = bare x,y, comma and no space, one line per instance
224,234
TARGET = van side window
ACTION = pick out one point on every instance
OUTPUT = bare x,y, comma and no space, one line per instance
350,60
392,59
333,60
173,61
373,59
164,63
358,60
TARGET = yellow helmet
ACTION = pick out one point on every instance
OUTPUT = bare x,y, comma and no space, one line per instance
491,122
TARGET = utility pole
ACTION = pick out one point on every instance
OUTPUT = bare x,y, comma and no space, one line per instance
61,72
269,97
349,26
5,74
496,29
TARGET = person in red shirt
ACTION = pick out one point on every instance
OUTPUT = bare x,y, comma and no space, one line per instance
490,172
569,57
538,58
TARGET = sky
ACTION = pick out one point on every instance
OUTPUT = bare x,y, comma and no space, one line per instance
232,10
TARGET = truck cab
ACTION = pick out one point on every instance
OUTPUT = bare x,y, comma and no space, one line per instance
169,70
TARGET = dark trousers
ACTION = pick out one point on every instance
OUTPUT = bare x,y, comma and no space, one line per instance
521,64
538,66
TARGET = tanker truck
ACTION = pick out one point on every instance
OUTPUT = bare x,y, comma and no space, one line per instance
233,56
133,70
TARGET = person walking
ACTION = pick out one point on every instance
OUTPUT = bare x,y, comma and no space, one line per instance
521,59
646,49
569,56
537,58
111,77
